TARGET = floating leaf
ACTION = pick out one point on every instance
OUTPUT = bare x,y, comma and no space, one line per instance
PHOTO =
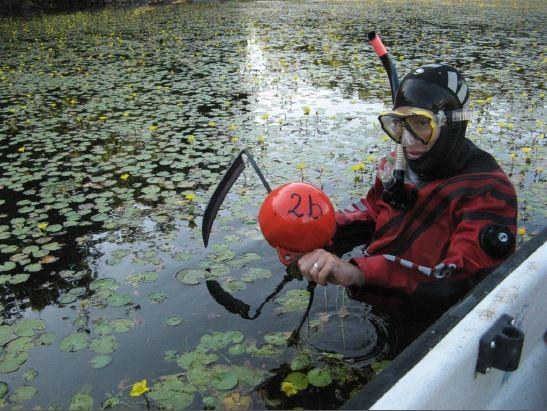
104,345
12,362
319,377
173,321
237,349
67,299
28,327
232,337
190,277
3,389
300,362
224,380
74,342
100,361
157,297
119,299
81,401
298,379
24,393
275,338
30,375
379,366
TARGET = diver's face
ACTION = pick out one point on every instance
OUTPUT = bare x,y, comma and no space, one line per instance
413,147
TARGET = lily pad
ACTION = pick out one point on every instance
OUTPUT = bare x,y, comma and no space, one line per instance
173,321
74,342
24,393
190,277
157,297
28,327
104,345
100,361
232,337
298,379
81,401
294,300
319,377
224,380
3,389
67,299
119,299
275,338
300,362
12,362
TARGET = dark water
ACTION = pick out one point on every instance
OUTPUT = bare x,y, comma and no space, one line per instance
116,127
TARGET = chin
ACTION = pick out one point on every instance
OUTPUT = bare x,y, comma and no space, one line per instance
413,155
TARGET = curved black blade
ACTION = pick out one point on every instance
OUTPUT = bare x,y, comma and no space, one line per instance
219,195
236,306
225,299
295,335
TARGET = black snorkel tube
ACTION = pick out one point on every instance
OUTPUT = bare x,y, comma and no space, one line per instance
394,193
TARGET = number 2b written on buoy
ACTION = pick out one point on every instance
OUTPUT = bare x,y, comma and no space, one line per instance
297,217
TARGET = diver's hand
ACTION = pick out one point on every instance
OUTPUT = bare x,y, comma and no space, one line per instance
323,267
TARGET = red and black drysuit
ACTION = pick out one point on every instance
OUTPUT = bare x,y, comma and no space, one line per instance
434,247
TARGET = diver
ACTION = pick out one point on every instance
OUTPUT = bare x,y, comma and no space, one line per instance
456,221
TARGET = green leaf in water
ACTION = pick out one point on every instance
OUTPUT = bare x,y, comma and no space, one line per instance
224,380
81,401
104,345
298,379
319,377
74,342
12,362
190,277
100,361
3,389
119,299
157,297
300,362
275,338
24,393
173,321
28,327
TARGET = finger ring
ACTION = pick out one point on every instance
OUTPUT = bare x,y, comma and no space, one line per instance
316,266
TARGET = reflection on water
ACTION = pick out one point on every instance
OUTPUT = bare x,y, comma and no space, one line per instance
116,127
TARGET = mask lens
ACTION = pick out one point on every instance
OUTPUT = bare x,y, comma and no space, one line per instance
392,126
421,126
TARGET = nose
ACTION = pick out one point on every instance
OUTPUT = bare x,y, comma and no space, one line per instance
408,139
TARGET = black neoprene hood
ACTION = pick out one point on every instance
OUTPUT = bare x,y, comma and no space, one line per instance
437,87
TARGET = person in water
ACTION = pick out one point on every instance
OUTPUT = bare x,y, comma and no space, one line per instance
459,219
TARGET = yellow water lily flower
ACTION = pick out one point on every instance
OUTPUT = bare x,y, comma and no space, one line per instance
125,114
521,231
190,138
124,176
234,139
152,128
307,110
212,124
526,150
232,127
512,156
265,116
370,159
358,167
21,149
261,139
139,388
103,118
288,388
301,166
42,226
190,197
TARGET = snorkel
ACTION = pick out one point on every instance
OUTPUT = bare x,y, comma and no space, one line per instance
393,193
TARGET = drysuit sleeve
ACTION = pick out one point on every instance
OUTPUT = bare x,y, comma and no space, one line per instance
355,224
466,254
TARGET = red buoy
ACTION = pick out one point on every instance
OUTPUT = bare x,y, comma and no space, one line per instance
297,218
